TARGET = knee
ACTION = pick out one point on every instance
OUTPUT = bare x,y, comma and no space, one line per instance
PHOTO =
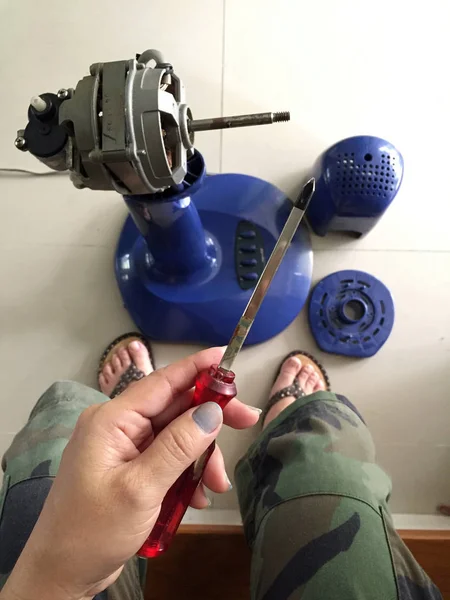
62,393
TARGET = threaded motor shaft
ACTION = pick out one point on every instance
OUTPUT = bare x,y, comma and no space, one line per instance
238,121
279,117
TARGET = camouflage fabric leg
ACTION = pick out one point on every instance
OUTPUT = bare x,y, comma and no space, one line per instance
29,466
314,508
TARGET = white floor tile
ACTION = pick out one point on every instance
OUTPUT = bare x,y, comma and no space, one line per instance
60,307
344,69
419,473
49,212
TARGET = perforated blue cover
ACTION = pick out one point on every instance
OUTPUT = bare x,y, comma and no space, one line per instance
356,181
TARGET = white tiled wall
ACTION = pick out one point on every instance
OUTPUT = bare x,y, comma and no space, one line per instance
341,68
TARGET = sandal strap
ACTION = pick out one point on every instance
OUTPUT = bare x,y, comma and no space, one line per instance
131,374
292,390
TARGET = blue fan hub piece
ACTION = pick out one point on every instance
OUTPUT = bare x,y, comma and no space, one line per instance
351,313
356,181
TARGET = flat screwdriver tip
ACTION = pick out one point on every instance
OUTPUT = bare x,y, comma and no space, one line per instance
306,194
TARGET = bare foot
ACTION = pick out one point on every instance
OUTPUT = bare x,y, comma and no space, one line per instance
308,378
135,353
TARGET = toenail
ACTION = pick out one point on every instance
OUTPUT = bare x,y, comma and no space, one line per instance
293,362
136,345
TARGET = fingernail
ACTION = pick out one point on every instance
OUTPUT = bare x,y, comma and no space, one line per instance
135,345
257,410
230,485
209,503
208,416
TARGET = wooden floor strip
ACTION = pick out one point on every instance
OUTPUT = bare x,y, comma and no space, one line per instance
213,563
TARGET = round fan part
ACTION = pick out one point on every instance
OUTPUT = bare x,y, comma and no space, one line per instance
351,313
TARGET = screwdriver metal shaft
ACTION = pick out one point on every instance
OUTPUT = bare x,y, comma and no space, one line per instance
246,321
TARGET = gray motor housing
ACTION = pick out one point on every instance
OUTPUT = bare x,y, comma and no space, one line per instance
125,127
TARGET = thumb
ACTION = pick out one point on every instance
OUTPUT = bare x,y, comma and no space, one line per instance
178,445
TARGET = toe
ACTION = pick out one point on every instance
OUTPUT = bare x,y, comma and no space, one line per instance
304,376
108,372
140,357
102,383
310,383
125,358
289,371
320,386
116,365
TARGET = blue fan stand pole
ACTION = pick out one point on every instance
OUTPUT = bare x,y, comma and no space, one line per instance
188,258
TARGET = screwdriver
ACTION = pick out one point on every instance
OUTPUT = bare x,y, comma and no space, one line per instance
216,384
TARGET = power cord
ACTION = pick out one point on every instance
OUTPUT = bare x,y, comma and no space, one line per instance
13,171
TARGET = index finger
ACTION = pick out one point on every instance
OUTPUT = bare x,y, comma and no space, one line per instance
154,393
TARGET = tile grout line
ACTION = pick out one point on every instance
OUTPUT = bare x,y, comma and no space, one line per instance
316,250
222,91
393,250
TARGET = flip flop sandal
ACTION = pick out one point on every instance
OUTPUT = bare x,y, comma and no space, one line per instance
295,389
132,373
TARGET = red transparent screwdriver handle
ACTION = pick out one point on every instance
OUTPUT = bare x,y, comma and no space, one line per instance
213,385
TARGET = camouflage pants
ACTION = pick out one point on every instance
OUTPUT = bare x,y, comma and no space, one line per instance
314,507
313,502
29,466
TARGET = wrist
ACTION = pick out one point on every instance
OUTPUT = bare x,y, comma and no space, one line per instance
30,580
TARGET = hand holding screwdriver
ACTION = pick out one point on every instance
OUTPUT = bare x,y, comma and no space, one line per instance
113,475
217,385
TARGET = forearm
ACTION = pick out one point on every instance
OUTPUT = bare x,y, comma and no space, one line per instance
32,579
